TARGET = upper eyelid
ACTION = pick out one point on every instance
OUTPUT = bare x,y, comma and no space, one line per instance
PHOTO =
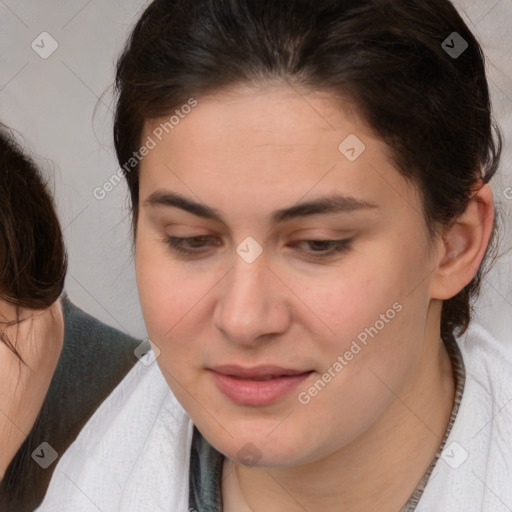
178,239
301,239
304,233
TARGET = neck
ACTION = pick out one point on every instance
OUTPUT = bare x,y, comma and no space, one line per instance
376,472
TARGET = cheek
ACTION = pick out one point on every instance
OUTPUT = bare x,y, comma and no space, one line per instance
160,291
336,305
352,297
170,301
371,313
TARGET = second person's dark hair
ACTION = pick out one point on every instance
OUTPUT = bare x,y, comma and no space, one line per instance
33,260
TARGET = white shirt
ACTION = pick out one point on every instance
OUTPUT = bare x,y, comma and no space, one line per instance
134,453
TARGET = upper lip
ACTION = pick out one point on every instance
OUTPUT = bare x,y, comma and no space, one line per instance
256,371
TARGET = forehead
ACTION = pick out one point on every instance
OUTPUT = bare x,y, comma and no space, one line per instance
271,145
265,117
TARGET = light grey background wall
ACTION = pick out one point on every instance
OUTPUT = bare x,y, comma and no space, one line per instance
50,99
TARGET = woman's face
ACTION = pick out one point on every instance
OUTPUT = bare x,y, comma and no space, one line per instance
281,350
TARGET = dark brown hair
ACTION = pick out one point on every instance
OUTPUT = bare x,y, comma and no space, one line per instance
432,108
33,259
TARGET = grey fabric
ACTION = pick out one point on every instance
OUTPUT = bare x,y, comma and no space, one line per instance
205,476
94,359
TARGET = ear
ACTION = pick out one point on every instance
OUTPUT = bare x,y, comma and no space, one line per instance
464,244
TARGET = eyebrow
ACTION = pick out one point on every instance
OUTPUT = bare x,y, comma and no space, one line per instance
333,203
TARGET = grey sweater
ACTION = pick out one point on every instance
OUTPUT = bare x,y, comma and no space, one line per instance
94,359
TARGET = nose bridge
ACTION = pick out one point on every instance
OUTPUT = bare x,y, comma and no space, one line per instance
249,305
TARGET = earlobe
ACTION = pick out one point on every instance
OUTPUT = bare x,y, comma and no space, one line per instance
464,245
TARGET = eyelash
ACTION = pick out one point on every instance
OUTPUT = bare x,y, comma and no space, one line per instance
338,246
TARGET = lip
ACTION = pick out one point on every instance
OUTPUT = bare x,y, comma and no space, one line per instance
257,386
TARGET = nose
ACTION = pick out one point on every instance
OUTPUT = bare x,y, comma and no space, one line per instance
253,304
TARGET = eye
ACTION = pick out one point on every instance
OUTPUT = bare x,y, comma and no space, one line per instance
326,248
195,245
177,244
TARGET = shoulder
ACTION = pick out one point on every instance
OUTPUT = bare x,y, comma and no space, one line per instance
139,437
474,470
143,391
88,335
486,358
94,359
486,405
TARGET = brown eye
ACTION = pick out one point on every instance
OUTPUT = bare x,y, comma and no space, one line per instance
188,245
194,245
325,248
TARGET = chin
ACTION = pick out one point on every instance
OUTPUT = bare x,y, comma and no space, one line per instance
260,446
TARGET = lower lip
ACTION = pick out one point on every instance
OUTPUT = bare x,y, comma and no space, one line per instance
257,392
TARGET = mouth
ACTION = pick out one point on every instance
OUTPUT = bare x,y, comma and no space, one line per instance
257,386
